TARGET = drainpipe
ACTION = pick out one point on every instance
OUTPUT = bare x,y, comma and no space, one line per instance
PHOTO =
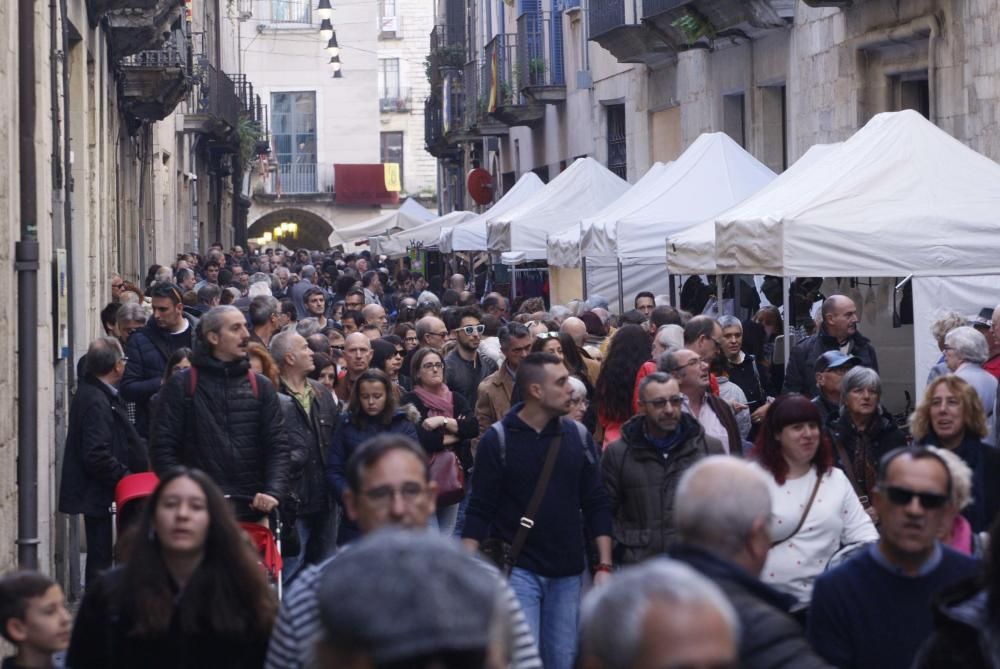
929,24
26,266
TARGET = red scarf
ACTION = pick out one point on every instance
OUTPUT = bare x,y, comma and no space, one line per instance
439,403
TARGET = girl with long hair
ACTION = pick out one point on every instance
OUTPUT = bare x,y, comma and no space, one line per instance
615,385
190,594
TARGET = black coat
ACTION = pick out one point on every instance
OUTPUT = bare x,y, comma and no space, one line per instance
101,638
147,351
800,377
984,461
769,638
881,437
433,440
310,437
237,439
101,448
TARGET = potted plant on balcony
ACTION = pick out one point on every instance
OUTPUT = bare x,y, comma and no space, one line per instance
536,72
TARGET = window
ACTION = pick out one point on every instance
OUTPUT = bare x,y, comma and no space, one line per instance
392,151
388,19
912,91
388,79
291,11
617,154
293,123
773,128
733,110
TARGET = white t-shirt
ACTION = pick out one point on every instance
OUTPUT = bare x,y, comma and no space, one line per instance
836,519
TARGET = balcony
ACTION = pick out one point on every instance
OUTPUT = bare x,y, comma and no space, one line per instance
395,101
300,179
155,81
616,27
447,52
511,107
542,78
435,141
687,22
135,25
213,104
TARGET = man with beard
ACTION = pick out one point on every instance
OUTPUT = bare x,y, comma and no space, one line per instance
224,419
464,367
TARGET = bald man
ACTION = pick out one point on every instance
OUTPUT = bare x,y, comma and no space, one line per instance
374,314
357,357
577,330
457,282
838,332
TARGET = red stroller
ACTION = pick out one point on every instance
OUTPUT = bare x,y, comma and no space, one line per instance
130,493
266,539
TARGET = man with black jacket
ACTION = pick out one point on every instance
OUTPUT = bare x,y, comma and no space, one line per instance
465,368
224,419
838,332
148,350
547,574
311,425
101,448
726,538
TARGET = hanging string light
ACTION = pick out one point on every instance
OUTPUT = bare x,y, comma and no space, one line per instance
326,30
324,10
332,47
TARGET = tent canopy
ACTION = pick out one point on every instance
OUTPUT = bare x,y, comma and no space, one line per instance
563,247
409,215
426,235
582,188
471,235
899,197
692,251
713,174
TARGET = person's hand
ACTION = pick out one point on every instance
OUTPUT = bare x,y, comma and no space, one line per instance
758,415
264,503
737,406
451,425
433,423
449,440
601,577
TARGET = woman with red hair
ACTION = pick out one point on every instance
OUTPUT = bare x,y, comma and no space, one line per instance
815,511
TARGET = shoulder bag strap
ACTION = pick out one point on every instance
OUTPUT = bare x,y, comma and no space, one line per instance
805,513
527,521
849,470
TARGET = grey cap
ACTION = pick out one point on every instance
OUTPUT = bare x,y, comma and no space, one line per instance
402,594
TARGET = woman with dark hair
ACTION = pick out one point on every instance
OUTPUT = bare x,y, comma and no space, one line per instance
815,511
372,409
190,594
325,371
615,385
178,360
388,357
548,342
408,333
447,421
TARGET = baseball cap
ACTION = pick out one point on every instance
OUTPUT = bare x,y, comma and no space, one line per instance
835,360
403,594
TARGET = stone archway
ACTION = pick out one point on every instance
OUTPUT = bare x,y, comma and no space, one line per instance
313,230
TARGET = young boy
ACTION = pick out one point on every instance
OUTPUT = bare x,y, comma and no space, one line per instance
33,617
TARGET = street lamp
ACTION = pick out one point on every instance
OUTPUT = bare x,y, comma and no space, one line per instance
332,47
335,65
324,10
266,237
326,30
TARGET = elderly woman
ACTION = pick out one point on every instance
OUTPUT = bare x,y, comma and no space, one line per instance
944,322
578,399
863,432
815,510
965,351
951,417
960,535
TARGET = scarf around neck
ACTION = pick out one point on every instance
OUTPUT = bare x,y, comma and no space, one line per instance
439,403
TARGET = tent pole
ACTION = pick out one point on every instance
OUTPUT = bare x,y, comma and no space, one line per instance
583,274
621,288
786,284
718,292
672,288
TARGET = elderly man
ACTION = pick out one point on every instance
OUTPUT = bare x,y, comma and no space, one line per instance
496,304
263,318
374,314
665,615
431,333
457,282
371,286
874,611
389,487
493,397
993,364
726,538
577,330
965,351
714,413
839,331
643,468
830,370
357,357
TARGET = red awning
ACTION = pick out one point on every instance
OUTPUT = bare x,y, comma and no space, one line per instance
362,184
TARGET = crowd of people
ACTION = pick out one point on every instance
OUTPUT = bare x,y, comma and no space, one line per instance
458,481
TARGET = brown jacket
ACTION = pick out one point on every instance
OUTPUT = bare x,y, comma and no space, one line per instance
593,369
493,398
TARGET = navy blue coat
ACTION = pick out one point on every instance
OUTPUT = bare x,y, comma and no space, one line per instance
800,377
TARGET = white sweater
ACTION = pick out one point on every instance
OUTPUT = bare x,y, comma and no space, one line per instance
836,519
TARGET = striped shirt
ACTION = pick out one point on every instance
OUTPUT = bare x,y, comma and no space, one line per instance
298,627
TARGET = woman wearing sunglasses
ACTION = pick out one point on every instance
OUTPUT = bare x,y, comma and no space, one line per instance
815,511
447,421
388,357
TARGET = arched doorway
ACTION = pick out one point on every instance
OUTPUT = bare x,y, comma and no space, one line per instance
313,230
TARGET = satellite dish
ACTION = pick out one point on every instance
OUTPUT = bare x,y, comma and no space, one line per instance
480,185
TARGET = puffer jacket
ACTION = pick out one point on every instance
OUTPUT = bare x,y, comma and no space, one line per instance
964,636
864,450
224,430
800,377
147,351
641,483
313,431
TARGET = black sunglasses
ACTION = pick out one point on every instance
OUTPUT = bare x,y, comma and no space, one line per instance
903,496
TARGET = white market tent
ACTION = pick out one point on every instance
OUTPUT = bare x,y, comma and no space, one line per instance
425,236
582,188
409,215
692,251
563,248
471,235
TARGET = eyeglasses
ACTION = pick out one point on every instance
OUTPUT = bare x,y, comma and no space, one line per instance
677,401
400,352
689,363
547,335
439,334
470,330
903,496
338,347
383,496
413,338
117,285
432,365
578,401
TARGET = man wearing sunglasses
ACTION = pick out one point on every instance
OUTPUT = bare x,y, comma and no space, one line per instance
465,367
875,609
643,468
